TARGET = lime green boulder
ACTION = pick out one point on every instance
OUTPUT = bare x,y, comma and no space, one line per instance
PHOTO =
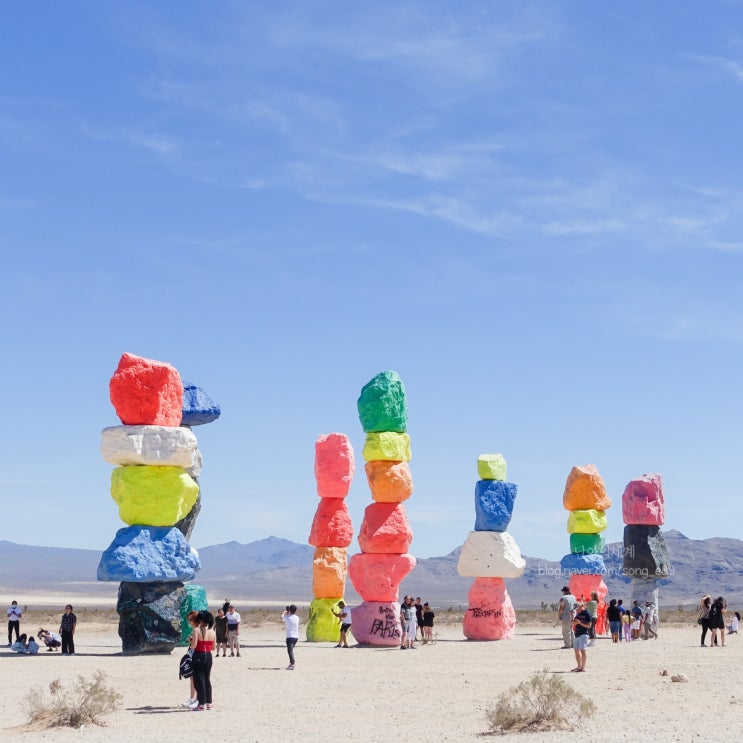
153,495
586,544
491,467
322,624
382,405
387,445
586,521
194,599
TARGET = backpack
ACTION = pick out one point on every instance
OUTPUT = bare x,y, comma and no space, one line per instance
185,668
714,613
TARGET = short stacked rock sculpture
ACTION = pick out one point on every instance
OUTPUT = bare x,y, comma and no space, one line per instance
645,555
491,554
331,534
156,488
586,498
385,534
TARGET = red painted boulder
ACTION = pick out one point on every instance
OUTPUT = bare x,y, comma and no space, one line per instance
332,525
490,614
643,501
377,623
582,586
389,481
334,465
385,529
378,577
146,393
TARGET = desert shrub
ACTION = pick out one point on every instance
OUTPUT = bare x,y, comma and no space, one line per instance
84,704
543,702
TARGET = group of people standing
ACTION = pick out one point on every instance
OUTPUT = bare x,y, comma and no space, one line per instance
631,622
711,617
414,615
65,639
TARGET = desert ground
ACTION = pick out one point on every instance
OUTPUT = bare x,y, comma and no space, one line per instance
438,692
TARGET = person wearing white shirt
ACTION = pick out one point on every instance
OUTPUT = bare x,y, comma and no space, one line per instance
14,621
291,622
233,631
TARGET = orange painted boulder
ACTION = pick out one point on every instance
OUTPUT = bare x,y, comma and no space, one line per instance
385,529
329,568
389,481
146,393
332,525
378,577
334,465
585,489
490,614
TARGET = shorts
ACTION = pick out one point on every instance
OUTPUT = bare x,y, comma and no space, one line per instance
410,627
581,642
345,627
636,624
614,627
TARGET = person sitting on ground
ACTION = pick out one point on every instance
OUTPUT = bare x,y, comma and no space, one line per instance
734,622
51,639
33,647
19,646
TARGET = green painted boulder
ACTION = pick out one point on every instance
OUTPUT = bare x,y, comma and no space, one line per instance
491,467
586,544
382,405
387,445
193,600
322,624
153,496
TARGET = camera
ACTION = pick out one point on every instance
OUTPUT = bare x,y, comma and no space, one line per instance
287,608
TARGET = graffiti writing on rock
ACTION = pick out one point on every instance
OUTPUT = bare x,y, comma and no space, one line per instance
386,624
484,613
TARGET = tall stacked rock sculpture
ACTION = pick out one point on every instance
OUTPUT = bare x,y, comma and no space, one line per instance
586,499
155,486
491,554
385,534
645,556
331,534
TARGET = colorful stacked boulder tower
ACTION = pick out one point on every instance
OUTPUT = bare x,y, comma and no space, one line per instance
586,498
645,555
385,534
331,534
155,486
491,554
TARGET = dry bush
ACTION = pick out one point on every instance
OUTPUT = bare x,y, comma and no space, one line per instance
85,704
543,702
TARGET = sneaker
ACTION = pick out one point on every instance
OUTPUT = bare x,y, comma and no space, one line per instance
238,655
290,667
209,706
198,708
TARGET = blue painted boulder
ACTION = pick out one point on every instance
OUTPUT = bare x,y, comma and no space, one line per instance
494,504
198,407
582,564
149,553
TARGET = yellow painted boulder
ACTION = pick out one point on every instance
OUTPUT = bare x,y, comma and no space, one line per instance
387,445
322,624
491,467
329,568
586,521
153,496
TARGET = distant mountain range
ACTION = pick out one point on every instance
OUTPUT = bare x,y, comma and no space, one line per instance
275,569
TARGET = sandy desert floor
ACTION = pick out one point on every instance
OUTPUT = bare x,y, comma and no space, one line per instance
438,692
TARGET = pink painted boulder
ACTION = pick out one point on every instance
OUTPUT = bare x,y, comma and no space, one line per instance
377,623
332,525
490,614
334,465
378,577
146,393
643,501
385,528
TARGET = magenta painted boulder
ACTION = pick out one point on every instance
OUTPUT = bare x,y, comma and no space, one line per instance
377,577
334,465
385,528
332,525
643,501
490,614
377,623
146,393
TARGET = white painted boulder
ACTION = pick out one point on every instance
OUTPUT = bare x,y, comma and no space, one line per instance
490,554
170,446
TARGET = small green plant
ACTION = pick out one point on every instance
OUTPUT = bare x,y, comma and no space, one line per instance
542,702
85,704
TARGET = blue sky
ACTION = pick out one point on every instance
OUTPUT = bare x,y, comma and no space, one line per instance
530,210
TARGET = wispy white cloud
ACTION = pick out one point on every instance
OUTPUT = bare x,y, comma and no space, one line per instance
159,144
733,68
